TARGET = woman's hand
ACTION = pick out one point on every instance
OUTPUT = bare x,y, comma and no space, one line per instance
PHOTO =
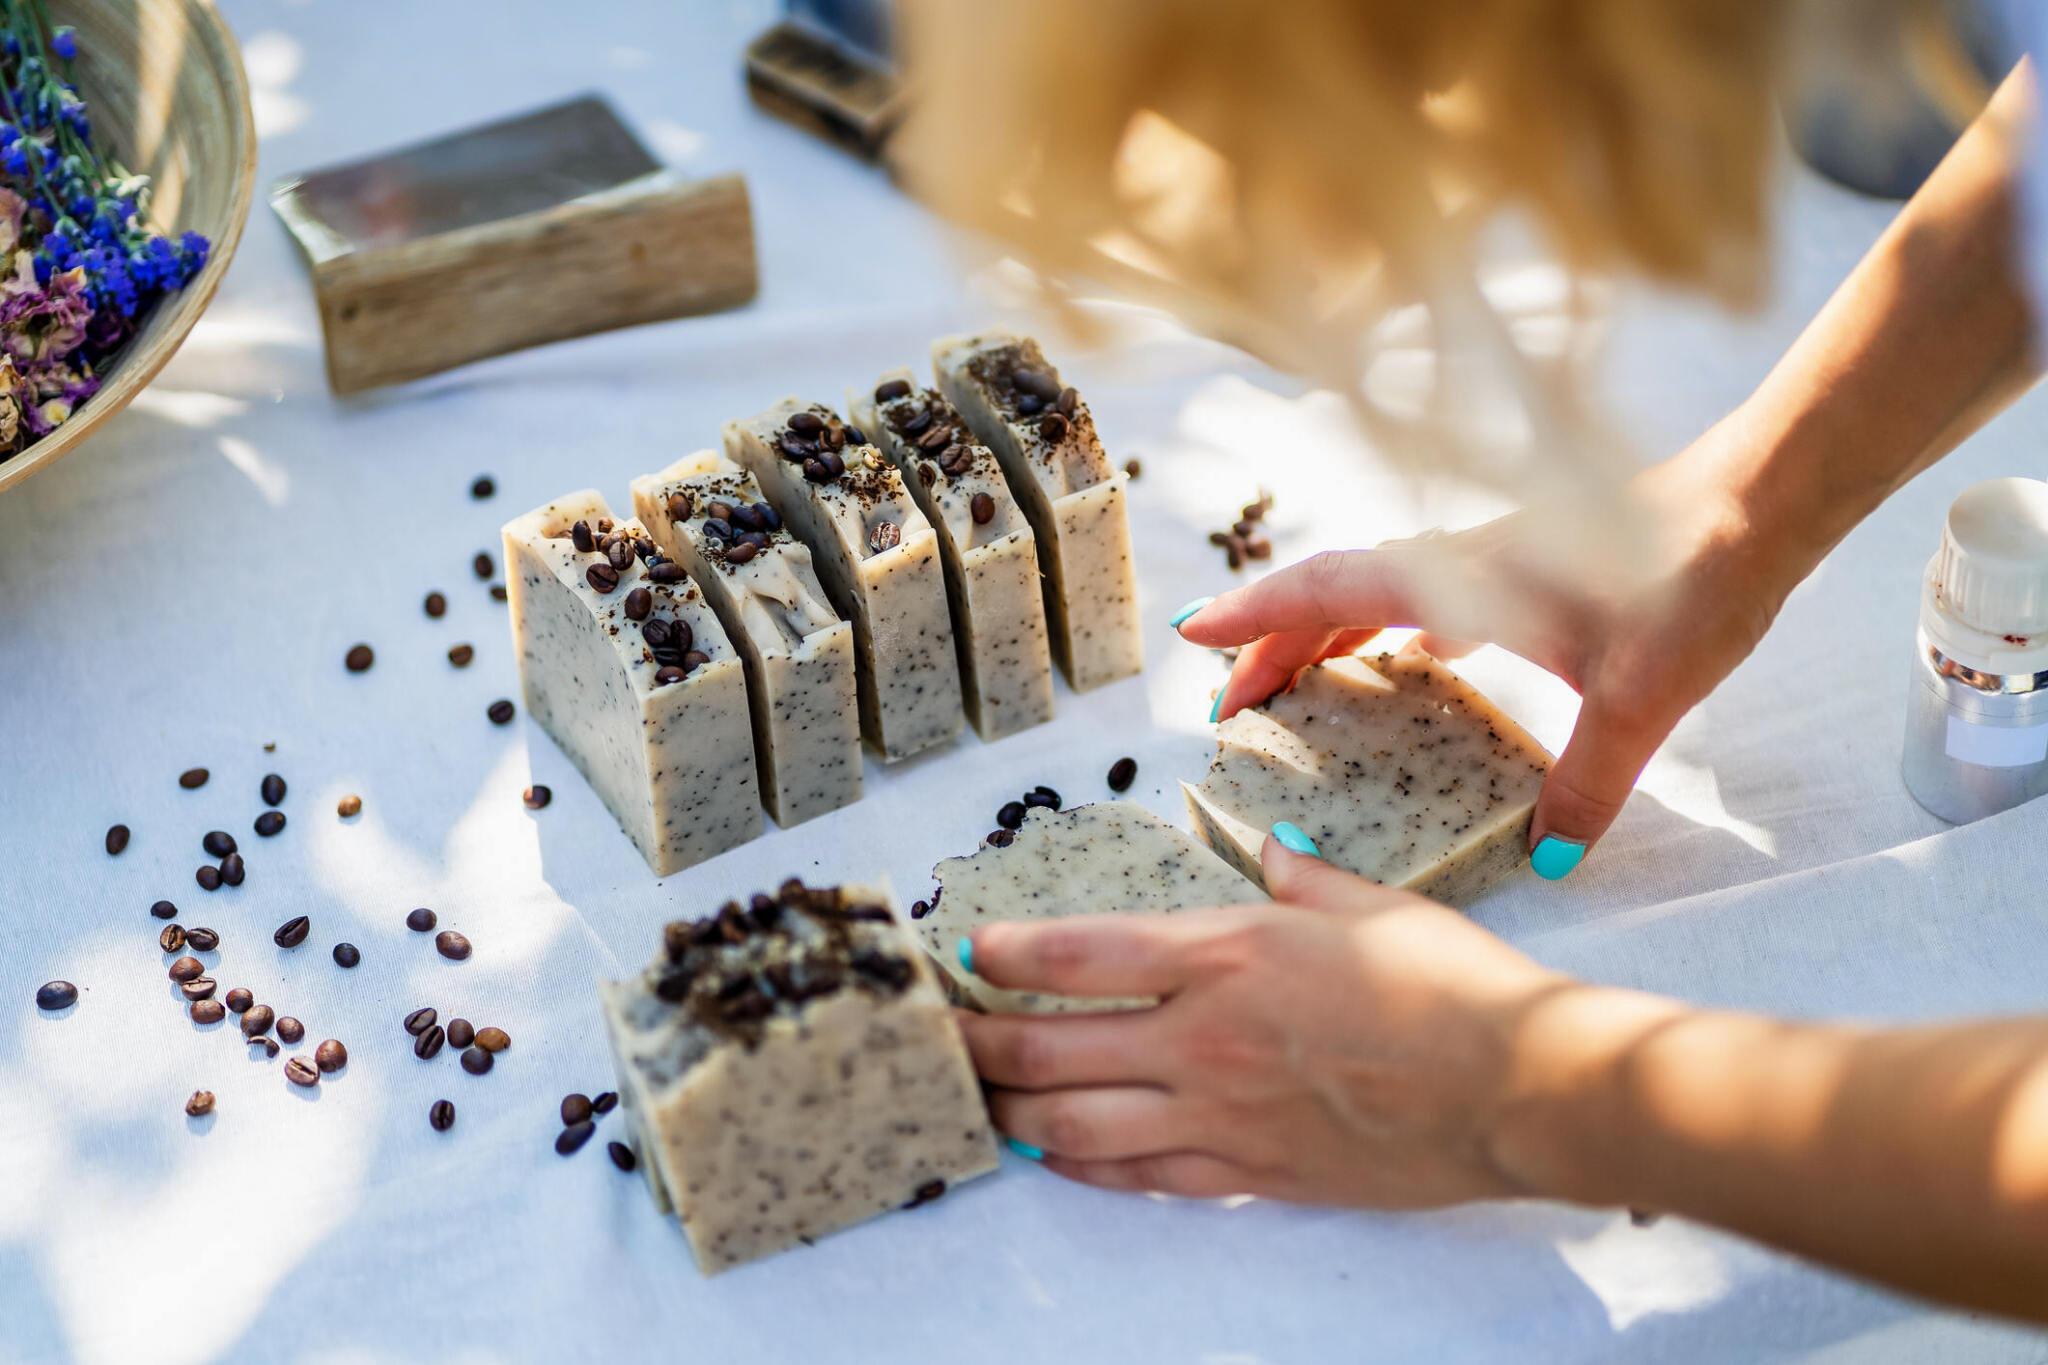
1352,1047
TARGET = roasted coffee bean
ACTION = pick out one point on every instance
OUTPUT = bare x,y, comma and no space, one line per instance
572,1138
667,572
1035,382
256,1020
482,565
741,553
695,659
172,939
201,940
483,487
806,423
420,1020
436,605
833,465
656,633
299,1071
420,920
580,537
927,1192
1042,796
239,1000
192,779
928,473
795,447
500,712
746,517
461,1033
441,1116
163,909
269,823
892,390
290,1030
1066,401
622,1156
983,508
575,1108
428,1043
936,437
476,1061
208,877
537,797
498,593
493,1039
1258,547
292,932
919,909
233,869
62,995
359,658
1052,427
886,535
201,1104
605,1103
117,840
208,1011
1133,468
1001,838
680,506
185,968
621,557
198,988
269,1045
460,655
639,602
451,945
1122,773
771,520
347,955
917,422
1011,816
833,438
218,842
670,674
601,576
1029,405
330,1055
349,806
816,472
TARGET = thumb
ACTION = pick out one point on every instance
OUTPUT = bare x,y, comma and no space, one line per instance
1588,785
1305,879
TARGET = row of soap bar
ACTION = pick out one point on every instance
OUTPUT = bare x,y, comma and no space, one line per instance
833,582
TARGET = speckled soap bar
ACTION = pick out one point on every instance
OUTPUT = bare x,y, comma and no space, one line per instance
625,665
1109,857
799,655
1394,765
987,546
1044,436
878,559
790,1067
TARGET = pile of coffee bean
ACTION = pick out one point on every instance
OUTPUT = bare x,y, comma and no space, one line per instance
930,425
1029,390
814,439
1010,815
1244,541
580,1114
479,1047
733,531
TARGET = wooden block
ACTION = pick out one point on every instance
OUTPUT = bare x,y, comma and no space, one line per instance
824,86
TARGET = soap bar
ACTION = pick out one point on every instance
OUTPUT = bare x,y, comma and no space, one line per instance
1044,436
790,1067
798,654
1110,857
987,547
624,664
878,559
1394,765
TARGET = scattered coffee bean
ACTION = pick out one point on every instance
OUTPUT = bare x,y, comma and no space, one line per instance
482,565
451,945
349,807
201,940
421,920
983,508
602,577
500,712
476,1061
198,988
537,797
1042,796
256,1020
1122,773
208,1011
436,605
892,390
163,909
330,1055
1134,468
208,877
919,909
299,1071
269,1045
461,1033
931,1189
272,790
621,1155
1011,816
460,655
359,658
218,842
117,840
233,869
292,932
201,1104
575,1108
172,939
239,999
483,487
428,1044
605,1103
185,968
420,1020
493,1039
192,779
290,1030
572,1138
62,995
441,1116
269,823
347,955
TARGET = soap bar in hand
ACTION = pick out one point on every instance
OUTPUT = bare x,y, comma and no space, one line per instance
1100,859
1394,765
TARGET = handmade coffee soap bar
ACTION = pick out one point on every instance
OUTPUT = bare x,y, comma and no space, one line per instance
625,665
1044,435
987,546
878,559
799,656
1397,768
790,1067
1099,859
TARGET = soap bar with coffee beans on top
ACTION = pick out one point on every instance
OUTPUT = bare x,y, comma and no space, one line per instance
1113,856
1044,435
626,666
799,656
1396,767
790,1067
878,559
989,551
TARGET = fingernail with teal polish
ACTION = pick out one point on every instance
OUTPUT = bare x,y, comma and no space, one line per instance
1180,617
1294,839
1216,707
1024,1149
966,953
1555,858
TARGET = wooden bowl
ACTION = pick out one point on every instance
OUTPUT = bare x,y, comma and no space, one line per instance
163,85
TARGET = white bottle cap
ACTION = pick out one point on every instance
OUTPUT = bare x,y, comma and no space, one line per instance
1986,604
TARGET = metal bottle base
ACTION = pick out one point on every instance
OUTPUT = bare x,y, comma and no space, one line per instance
1948,787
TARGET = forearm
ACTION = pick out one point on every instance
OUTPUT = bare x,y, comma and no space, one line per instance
1918,1157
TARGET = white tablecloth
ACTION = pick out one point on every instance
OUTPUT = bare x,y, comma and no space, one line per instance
181,593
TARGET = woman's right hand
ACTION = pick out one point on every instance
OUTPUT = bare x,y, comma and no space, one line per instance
1640,648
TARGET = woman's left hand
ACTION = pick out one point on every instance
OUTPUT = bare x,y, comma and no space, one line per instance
1353,1045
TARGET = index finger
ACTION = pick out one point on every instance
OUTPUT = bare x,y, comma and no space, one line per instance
1334,590
1090,956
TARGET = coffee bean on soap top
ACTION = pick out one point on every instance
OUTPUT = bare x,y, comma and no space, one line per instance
476,1061
420,1020
621,1155
461,1033
441,1116
349,806
428,1043
256,1020
233,869
299,1071
580,537
208,1011
482,565
500,712
1001,838
192,779
460,655
420,920
892,390
218,842
537,797
117,840
359,658
62,995
201,940
493,1039
347,955
604,1103
290,1030
621,556
330,1055
1052,427
201,1103
269,823
575,1108
451,945
639,603
680,506
292,932
806,423
572,1138
602,577
1122,773
239,1000
163,909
